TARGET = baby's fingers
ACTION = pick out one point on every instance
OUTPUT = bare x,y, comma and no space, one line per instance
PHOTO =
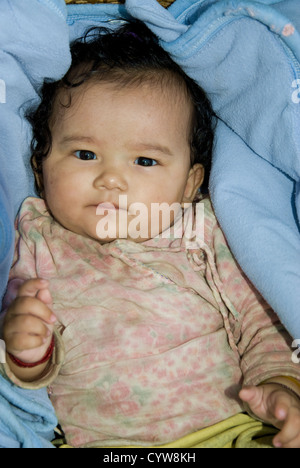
36,287
289,436
26,305
25,332
32,287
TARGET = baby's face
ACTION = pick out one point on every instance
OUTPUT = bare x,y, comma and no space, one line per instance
115,154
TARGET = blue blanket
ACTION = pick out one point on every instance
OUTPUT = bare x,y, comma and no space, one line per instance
246,56
27,418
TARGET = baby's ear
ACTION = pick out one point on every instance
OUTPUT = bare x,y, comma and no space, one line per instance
194,182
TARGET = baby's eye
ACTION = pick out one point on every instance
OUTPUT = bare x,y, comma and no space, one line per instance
85,155
145,162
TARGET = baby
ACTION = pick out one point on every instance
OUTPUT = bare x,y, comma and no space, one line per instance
143,332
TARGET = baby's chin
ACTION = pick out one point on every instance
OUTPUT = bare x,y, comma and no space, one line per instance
109,240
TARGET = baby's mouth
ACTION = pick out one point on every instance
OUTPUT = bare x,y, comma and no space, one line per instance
108,206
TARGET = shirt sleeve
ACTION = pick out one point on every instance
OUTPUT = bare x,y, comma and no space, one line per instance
264,345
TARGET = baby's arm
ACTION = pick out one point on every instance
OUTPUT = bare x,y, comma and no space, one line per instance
28,330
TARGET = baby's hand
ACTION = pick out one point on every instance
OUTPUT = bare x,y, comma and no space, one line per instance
277,406
28,324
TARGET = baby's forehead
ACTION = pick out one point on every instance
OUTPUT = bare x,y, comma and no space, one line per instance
170,90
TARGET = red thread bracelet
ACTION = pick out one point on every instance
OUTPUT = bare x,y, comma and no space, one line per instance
47,356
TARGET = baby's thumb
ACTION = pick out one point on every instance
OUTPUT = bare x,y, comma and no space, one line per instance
249,394
38,288
32,287
44,295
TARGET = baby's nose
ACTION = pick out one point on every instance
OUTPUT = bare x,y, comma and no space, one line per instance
111,179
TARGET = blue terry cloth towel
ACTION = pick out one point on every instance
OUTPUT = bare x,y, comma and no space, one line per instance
246,55
27,418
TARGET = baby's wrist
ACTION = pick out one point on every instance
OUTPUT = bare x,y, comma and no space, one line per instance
30,363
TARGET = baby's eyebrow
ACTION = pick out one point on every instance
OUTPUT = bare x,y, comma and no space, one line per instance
76,139
155,147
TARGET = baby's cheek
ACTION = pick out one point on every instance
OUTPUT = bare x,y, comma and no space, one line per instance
56,185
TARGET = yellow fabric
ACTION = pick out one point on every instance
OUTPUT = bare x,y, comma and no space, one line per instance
293,380
239,431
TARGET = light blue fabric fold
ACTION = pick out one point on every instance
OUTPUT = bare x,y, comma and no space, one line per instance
246,54
83,17
27,418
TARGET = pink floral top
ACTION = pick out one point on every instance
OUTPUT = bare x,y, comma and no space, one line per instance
153,340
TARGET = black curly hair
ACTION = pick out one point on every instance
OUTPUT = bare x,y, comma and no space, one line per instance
127,56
